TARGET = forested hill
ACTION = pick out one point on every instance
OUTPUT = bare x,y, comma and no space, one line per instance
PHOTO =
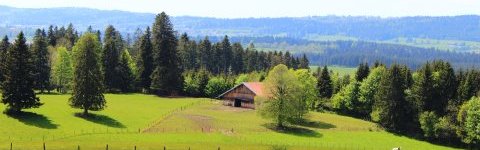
365,28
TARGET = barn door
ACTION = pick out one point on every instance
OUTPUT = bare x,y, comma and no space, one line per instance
237,103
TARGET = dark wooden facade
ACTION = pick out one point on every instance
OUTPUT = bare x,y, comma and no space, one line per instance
239,96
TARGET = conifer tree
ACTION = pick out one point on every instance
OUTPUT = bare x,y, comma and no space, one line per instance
325,87
41,61
225,55
362,72
87,78
52,40
205,57
125,72
4,45
391,109
304,63
113,45
423,91
237,61
18,91
145,61
167,75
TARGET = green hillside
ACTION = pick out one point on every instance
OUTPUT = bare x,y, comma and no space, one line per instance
149,122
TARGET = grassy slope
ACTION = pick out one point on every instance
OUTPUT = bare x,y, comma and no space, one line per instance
202,124
338,69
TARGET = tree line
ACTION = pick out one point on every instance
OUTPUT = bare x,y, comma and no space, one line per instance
158,61
435,100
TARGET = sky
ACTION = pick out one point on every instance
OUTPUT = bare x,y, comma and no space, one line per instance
270,8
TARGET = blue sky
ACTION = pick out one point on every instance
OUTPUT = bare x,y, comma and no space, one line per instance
270,8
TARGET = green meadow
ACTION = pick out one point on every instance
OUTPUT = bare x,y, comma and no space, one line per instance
150,122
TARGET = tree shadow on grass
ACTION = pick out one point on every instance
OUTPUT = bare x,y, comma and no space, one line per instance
293,130
315,124
33,119
101,119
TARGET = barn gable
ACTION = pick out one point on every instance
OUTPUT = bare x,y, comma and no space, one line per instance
242,95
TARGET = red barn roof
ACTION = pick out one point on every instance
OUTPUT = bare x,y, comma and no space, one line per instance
255,87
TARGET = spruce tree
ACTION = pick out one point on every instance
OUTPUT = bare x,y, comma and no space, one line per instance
237,61
325,86
205,54
304,63
18,91
167,75
4,45
391,109
145,61
423,91
125,72
113,45
41,61
226,55
87,79
52,40
362,72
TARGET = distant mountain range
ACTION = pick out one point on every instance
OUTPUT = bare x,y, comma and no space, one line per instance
328,40
465,28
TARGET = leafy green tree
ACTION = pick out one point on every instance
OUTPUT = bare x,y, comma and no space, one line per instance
18,91
469,119
167,75
87,78
216,86
125,71
428,123
145,61
4,45
325,87
63,70
41,61
113,45
348,99
369,87
282,103
308,84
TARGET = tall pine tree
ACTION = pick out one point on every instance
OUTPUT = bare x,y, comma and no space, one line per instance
324,85
4,45
145,61
41,61
167,75
113,45
87,79
18,91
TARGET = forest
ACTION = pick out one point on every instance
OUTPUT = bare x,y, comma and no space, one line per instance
435,102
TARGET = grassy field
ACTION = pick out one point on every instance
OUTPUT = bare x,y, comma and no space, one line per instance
149,122
338,69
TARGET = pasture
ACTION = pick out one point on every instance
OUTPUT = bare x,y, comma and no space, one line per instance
150,122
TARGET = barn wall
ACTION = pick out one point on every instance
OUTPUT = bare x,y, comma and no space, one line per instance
241,92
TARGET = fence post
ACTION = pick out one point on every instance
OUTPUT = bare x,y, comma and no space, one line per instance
135,147
164,148
44,148
219,148
78,147
11,145
107,147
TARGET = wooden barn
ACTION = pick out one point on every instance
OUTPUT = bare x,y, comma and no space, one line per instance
242,95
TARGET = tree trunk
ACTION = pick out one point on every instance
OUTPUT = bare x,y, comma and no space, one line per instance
85,112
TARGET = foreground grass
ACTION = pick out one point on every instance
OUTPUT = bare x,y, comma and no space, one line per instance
149,122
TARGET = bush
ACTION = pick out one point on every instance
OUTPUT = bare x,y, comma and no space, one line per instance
217,86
